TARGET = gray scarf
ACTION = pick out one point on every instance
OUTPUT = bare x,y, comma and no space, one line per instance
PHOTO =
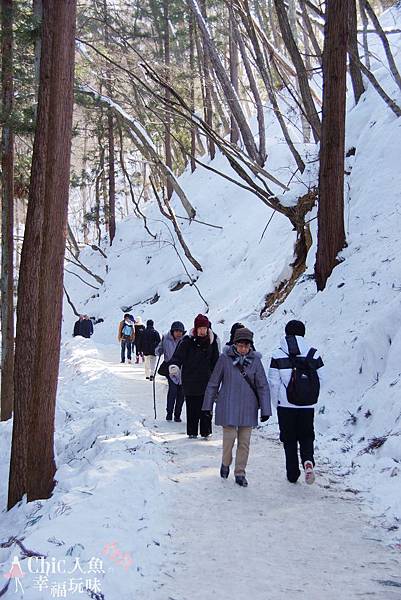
243,360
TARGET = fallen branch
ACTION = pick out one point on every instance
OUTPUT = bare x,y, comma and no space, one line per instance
74,310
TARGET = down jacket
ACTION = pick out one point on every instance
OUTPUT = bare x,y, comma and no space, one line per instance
236,402
280,378
197,359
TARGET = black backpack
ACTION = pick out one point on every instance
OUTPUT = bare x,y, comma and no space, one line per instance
304,385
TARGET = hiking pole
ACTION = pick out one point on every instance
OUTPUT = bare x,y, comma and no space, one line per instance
154,385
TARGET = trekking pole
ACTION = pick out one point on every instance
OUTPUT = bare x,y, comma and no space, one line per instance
154,385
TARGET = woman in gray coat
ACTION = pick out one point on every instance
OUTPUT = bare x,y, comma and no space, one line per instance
239,387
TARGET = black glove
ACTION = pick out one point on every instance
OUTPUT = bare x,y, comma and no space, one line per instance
208,413
264,418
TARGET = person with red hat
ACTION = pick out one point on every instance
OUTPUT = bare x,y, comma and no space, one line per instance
196,357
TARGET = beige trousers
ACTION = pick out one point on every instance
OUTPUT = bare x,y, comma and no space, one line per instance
150,363
244,438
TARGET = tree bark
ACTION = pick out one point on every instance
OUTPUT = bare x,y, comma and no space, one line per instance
255,91
265,73
192,87
229,92
234,66
302,76
331,231
112,177
7,213
383,38
167,127
354,69
39,308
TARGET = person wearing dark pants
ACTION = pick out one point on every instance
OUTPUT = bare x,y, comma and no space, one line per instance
196,418
175,400
126,337
195,358
167,347
296,427
295,418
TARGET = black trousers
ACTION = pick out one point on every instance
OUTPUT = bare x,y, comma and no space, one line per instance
175,398
296,427
196,418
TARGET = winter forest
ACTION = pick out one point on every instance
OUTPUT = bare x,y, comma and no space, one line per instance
200,299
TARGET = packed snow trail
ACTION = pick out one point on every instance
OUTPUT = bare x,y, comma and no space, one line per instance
271,541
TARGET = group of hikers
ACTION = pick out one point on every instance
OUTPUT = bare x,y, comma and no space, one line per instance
234,379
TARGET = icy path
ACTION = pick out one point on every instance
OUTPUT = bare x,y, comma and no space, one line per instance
271,541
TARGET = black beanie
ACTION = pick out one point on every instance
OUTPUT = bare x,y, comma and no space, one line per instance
149,323
295,328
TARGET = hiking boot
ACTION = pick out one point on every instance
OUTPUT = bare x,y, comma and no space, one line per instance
178,419
224,471
169,417
241,480
309,472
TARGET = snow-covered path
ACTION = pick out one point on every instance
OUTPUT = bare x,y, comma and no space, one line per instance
272,540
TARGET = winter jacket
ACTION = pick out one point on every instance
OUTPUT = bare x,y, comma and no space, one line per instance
236,402
280,378
150,339
167,346
120,331
77,328
86,328
83,327
139,330
197,358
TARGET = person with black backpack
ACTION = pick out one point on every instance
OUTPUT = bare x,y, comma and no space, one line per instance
150,340
295,384
239,387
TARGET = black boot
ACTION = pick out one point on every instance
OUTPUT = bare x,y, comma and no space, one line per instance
169,417
241,480
224,471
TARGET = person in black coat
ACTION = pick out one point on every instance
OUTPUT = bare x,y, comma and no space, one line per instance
197,356
83,327
149,341
139,330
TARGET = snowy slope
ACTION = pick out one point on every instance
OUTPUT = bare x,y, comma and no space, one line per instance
355,322
112,467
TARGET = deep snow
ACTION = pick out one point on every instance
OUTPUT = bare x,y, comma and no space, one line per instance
136,494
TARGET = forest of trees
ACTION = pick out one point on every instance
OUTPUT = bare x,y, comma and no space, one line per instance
159,86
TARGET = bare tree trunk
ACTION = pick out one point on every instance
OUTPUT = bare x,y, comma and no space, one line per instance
229,92
7,214
112,177
254,89
233,57
383,38
264,70
192,84
302,76
39,308
331,231
365,23
355,71
167,128
205,68
84,189
311,33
